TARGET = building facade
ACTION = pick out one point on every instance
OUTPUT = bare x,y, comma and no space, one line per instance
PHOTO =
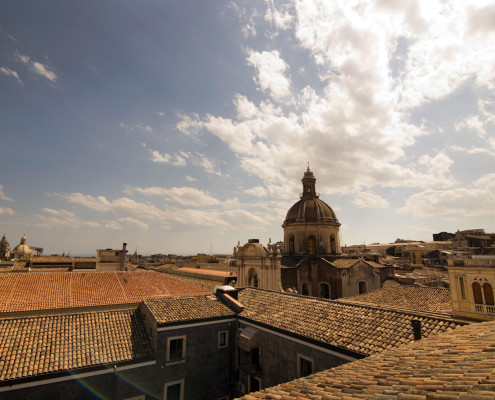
472,281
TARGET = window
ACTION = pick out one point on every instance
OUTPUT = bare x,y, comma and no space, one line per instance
253,278
478,296
254,384
223,339
333,247
362,287
255,356
176,349
304,365
174,390
324,290
488,292
312,245
306,289
461,285
291,244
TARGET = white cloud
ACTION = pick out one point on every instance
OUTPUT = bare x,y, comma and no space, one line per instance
122,205
113,225
258,191
190,179
3,196
63,219
271,69
137,127
186,196
9,72
177,160
281,19
36,67
246,17
200,160
188,125
22,58
474,201
378,61
6,210
43,71
369,200
134,222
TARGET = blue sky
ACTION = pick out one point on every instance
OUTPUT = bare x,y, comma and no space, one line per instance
185,126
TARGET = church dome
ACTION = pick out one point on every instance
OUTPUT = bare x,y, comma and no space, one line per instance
310,208
22,249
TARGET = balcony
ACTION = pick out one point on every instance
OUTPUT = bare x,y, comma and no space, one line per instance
482,308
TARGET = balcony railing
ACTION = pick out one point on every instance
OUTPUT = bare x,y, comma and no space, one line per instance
482,308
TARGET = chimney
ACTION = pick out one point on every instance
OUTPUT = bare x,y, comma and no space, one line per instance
124,251
229,296
416,325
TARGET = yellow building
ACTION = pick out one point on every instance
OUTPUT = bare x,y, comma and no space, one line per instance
471,286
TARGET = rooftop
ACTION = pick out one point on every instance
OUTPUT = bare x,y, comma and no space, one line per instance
187,308
406,297
459,364
37,345
200,271
57,290
359,328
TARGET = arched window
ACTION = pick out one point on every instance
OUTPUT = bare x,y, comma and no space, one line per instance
253,278
478,297
306,289
312,245
488,292
324,290
362,287
291,244
333,247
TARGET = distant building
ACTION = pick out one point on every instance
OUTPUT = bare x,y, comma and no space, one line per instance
4,248
22,251
472,238
112,260
309,261
442,236
205,278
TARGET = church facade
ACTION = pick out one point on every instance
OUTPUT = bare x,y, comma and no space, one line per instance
309,261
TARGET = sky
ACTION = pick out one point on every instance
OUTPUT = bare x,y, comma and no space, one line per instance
186,126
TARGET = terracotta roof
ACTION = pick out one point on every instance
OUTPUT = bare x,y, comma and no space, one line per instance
363,329
409,297
202,271
458,364
187,308
57,259
343,262
45,344
52,290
